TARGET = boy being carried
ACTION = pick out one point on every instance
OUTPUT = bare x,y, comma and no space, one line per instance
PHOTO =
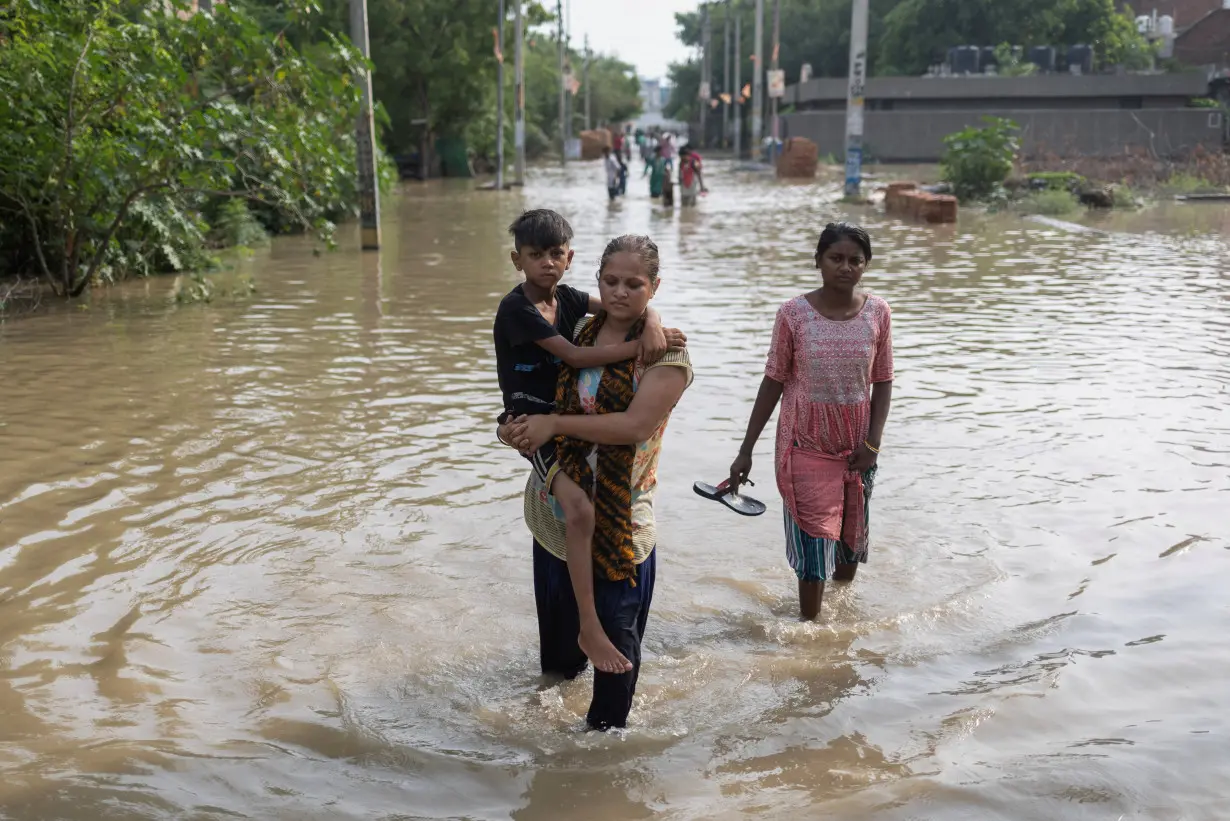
533,329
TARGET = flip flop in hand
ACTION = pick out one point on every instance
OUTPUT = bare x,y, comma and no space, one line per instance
743,505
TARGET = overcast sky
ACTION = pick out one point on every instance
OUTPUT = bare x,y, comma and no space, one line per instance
641,32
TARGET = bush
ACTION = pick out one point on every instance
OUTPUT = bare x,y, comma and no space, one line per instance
1186,183
235,226
1057,181
123,121
1049,203
977,161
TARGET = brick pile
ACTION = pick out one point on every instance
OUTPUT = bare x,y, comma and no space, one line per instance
592,143
798,159
907,200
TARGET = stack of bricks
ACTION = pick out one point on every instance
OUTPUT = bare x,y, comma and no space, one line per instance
906,199
592,143
798,159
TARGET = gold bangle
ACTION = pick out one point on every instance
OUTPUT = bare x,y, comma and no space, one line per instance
870,448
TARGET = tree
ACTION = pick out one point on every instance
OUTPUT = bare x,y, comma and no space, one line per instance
918,33
905,36
121,124
812,31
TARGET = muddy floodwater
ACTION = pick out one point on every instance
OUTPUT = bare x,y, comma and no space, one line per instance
264,558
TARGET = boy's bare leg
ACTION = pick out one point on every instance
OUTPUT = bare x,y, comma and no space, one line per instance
810,596
579,533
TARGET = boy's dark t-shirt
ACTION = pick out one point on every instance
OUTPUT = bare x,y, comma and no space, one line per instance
527,372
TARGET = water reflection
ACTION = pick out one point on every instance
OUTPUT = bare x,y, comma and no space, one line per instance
264,558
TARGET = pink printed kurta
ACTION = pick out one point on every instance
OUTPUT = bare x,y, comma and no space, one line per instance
826,369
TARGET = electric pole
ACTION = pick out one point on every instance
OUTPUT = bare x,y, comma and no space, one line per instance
706,90
519,96
585,79
563,92
758,83
738,86
499,101
365,136
854,99
726,81
777,43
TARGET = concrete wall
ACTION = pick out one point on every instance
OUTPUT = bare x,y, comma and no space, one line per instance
1176,88
917,136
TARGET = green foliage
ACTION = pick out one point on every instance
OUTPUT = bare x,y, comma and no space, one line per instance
918,32
200,287
812,31
977,161
1058,180
1011,62
1185,182
235,226
1124,198
1050,203
906,37
122,122
196,287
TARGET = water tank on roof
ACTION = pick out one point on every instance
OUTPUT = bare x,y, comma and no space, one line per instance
952,59
966,60
1144,24
1043,57
1165,25
1080,59
989,61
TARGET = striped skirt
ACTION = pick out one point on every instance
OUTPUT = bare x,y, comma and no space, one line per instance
814,559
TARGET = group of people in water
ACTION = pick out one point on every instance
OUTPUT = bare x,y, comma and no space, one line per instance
658,153
589,383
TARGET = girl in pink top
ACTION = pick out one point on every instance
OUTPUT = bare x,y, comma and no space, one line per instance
831,366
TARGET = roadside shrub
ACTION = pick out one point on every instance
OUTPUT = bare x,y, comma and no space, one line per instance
1057,181
977,161
1049,203
1184,182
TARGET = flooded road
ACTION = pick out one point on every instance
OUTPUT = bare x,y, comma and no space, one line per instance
264,558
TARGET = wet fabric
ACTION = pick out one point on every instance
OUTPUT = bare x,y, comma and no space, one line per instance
609,482
826,368
815,559
527,372
623,610
823,495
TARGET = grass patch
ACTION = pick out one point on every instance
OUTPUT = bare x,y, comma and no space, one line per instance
1185,183
1058,180
1049,203
1126,199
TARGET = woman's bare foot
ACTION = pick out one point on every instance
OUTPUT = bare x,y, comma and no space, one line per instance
595,644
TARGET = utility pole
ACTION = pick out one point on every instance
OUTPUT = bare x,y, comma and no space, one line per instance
519,96
570,99
365,136
738,86
563,93
706,90
758,83
585,79
777,43
726,81
854,99
499,101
